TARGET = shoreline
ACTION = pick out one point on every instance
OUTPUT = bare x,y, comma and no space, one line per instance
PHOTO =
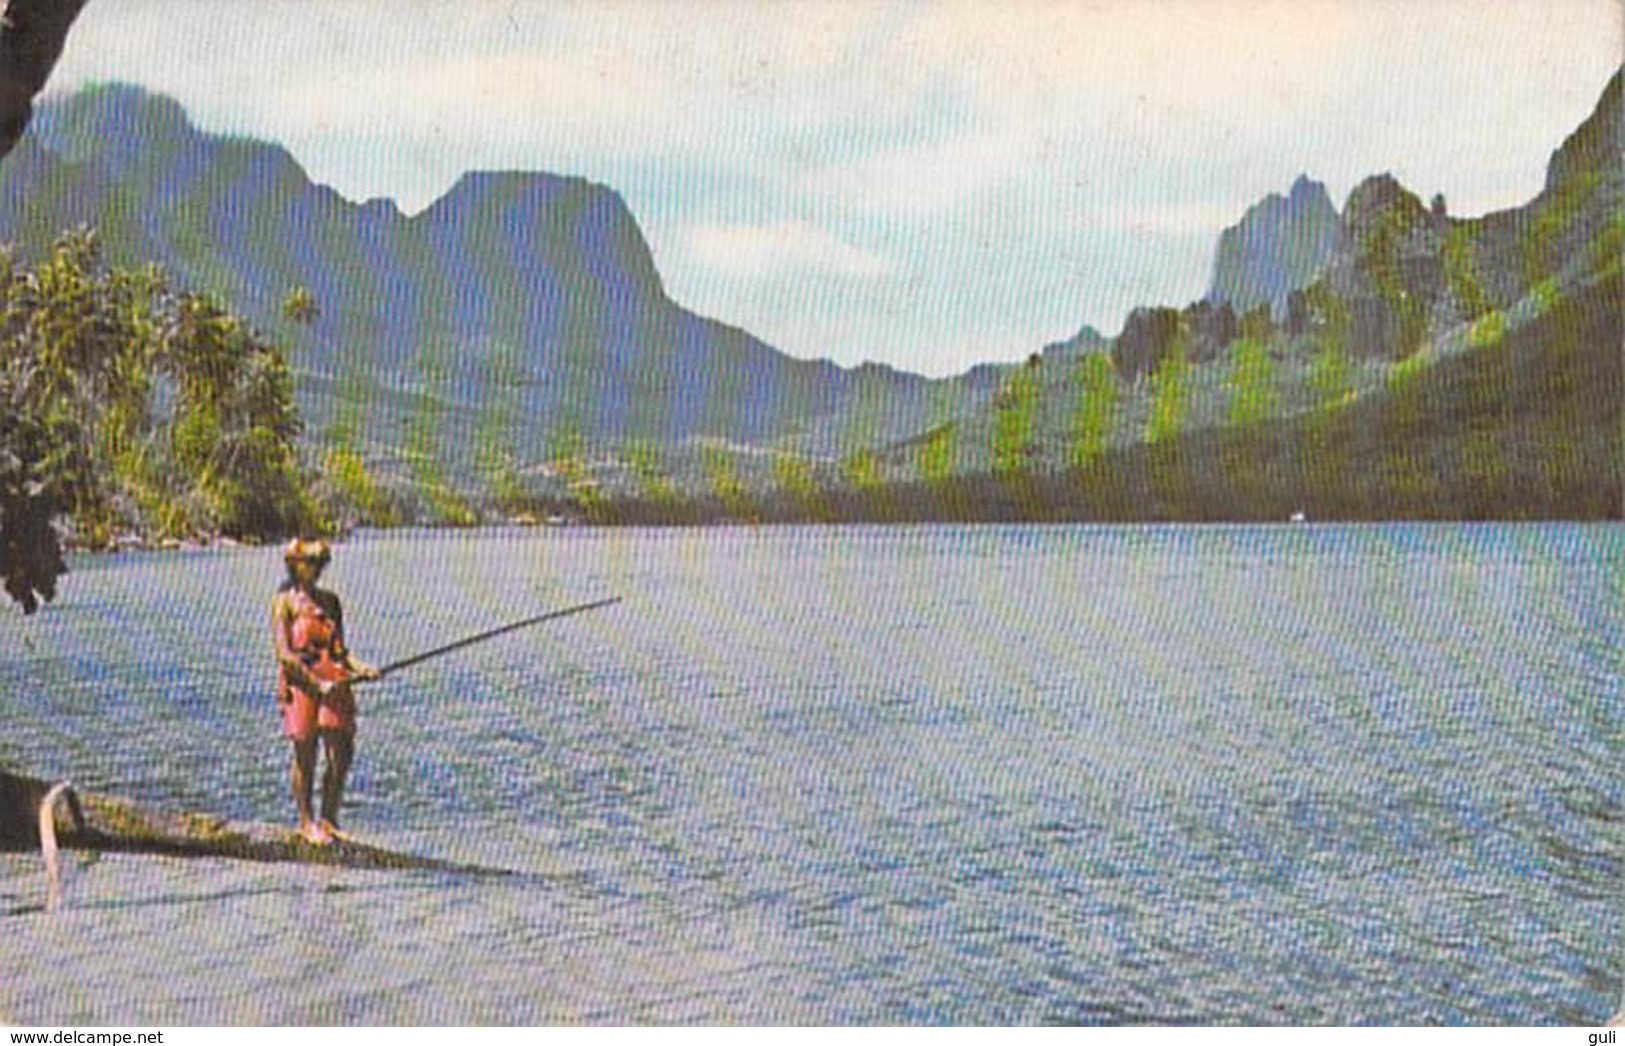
139,545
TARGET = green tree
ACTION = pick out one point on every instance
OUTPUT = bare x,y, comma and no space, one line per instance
1545,295
1254,392
1331,378
567,460
350,493
935,452
1328,317
300,306
356,495
727,486
83,349
1170,397
796,478
654,479
1015,413
1096,412
862,470
1488,330
1254,398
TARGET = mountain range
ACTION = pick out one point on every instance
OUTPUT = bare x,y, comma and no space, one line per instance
1399,289
527,294
521,315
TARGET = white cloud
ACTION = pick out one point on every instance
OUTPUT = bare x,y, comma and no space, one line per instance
1198,55
795,248
922,178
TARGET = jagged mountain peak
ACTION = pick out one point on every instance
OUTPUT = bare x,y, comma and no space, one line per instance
1306,188
1278,247
1304,192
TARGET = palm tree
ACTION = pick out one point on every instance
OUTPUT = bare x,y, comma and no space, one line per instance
300,306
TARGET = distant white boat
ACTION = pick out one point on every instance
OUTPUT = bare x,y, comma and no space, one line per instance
1298,517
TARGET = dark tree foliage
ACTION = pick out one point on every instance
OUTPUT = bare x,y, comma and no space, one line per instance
1149,336
30,555
1258,323
1297,314
1212,328
132,407
32,33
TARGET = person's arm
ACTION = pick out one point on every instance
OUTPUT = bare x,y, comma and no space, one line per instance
358,668
300,676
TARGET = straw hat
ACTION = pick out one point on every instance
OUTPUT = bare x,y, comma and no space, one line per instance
312,550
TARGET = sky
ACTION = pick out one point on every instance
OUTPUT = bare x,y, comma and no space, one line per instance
928,184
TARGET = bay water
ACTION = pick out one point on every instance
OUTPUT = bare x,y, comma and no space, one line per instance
1191,775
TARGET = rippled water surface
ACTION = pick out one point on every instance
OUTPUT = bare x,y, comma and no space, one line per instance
1276,775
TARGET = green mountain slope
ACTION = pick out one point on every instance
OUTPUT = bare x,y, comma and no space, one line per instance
1406,289
520,307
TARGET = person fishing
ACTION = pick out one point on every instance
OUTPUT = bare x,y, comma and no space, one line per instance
315,670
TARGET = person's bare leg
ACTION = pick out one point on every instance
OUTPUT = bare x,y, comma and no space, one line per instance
303,776
340,753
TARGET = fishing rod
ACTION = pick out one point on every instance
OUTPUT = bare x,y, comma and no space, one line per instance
554,615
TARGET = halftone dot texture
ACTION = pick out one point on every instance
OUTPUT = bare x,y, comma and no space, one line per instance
1309,775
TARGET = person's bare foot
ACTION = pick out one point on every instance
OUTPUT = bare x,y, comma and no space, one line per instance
333,831
315,834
